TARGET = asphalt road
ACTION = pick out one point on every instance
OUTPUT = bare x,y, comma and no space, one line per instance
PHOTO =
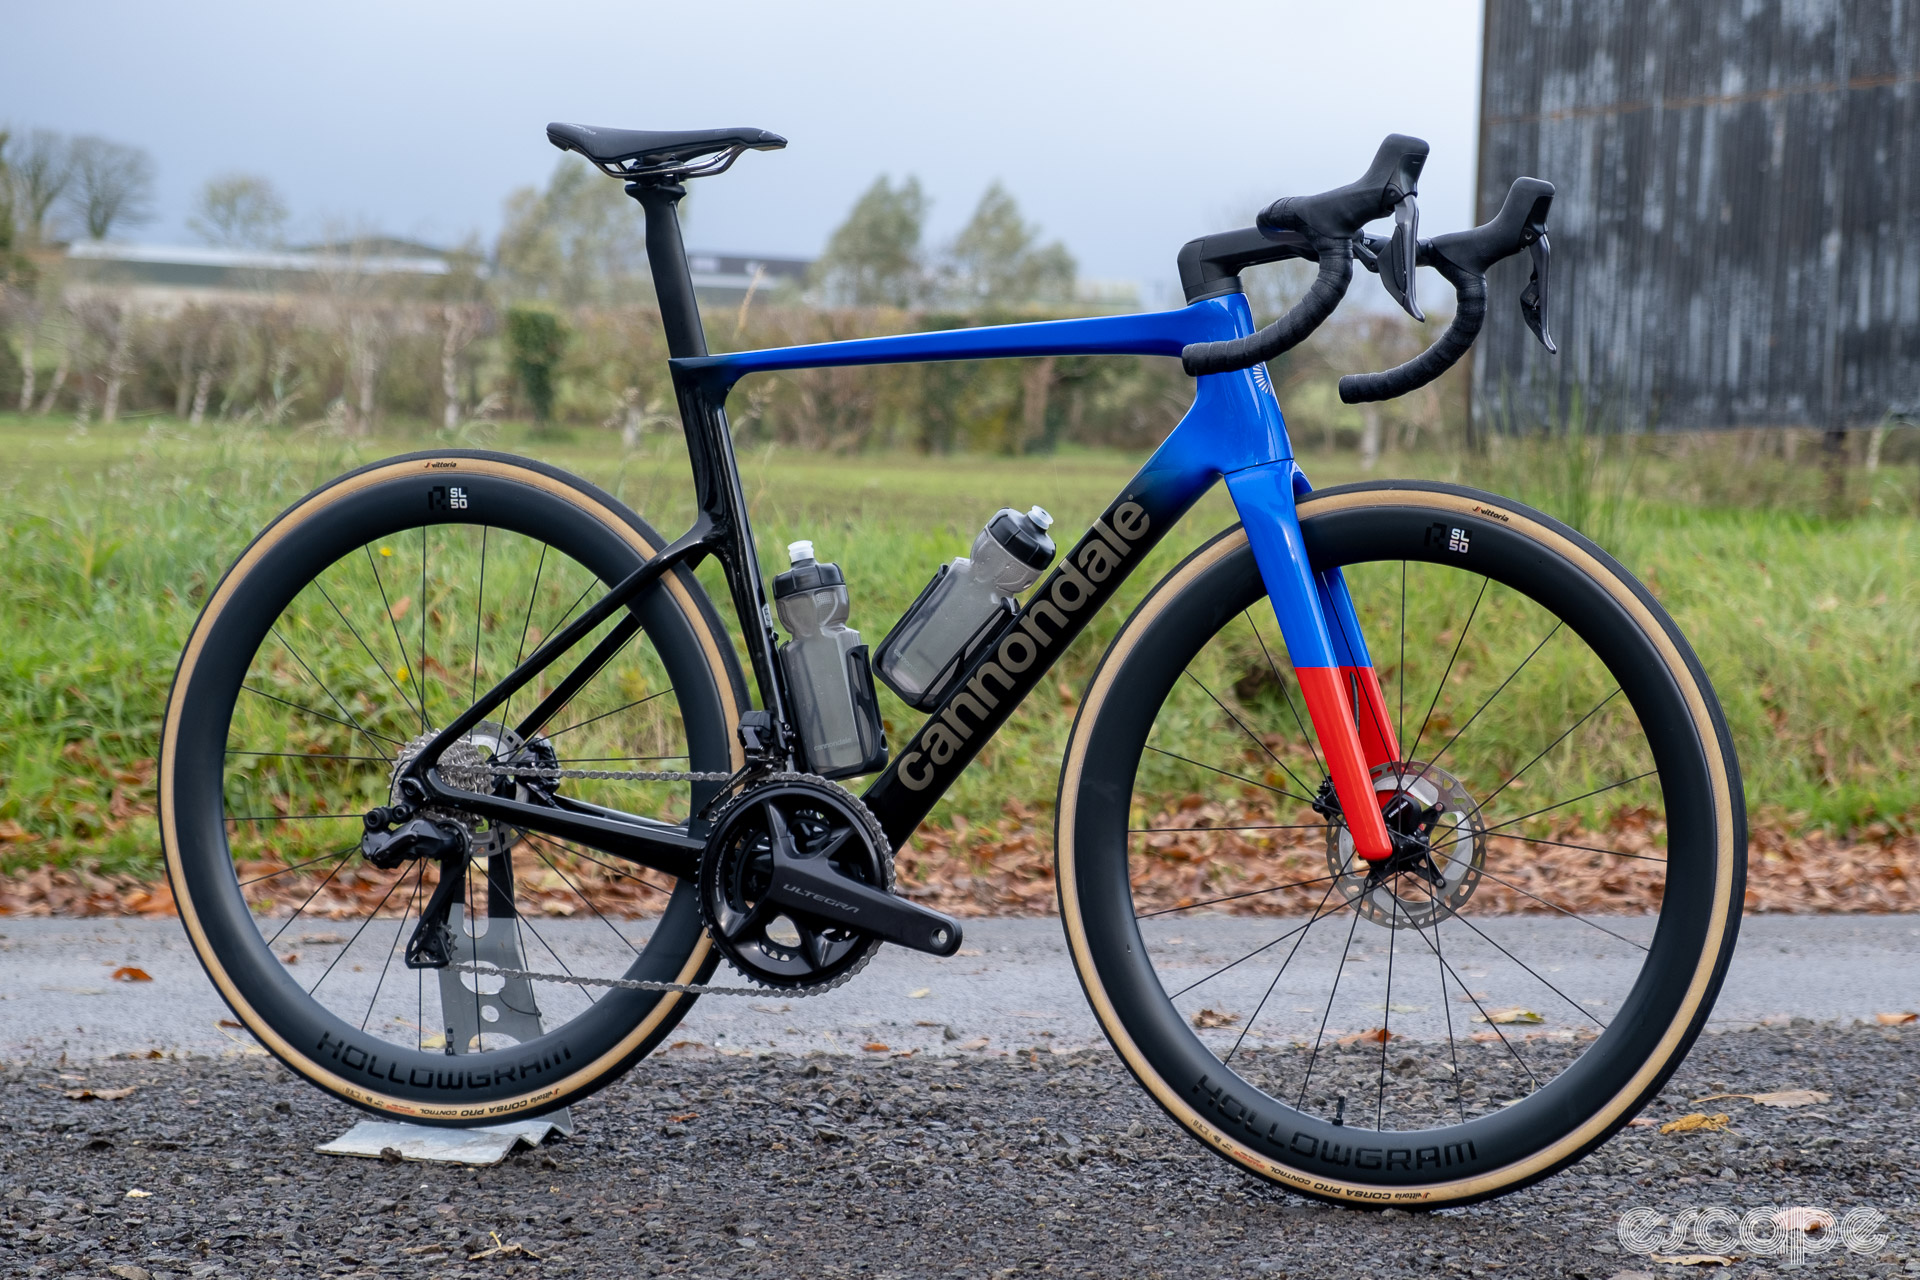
768,1145
699,1164
57,995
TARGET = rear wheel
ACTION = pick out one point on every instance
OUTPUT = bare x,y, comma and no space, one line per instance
360,622
1467,1022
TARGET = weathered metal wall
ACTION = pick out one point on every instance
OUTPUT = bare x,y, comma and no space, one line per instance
1736,230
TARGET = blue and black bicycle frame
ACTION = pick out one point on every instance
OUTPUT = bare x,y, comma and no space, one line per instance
1234,431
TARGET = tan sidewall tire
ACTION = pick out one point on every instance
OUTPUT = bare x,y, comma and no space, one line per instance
716,650
1730,835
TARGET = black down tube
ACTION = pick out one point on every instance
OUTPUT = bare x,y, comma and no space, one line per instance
1007,671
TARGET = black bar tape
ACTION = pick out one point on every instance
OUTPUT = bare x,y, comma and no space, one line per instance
1471,312
1290,330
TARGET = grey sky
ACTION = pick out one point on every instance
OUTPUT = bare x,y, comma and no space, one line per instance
1123,128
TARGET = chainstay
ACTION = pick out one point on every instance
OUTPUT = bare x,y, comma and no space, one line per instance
643,984
538,774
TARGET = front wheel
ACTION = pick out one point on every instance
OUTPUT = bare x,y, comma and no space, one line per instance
1461,1027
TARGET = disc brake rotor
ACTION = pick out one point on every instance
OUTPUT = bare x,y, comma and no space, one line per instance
1425,887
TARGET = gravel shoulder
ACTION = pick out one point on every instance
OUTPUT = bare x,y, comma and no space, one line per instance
780,1164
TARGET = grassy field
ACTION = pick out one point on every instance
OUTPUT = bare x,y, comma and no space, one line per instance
1808,621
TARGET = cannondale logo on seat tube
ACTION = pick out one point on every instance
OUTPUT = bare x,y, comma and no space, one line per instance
1068,590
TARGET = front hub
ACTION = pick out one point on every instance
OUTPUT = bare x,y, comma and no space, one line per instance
1440,845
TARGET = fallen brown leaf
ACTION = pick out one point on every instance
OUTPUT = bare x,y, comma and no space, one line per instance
127,973
1697,1122
1895,1019
1379,1035
102,1095
1695,1259
683,1117
978,1042
228,1022
292,957
1209,1018
875,1046
1507,1017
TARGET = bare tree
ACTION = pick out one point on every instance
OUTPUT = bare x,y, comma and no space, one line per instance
42,165
112,185
238,210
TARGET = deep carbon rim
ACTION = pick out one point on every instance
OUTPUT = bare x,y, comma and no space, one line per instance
1253,1127
370,1070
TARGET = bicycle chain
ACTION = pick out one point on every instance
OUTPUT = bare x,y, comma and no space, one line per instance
643,984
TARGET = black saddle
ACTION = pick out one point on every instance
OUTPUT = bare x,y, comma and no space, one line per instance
631,152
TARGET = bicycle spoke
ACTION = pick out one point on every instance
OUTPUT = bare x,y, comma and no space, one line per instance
1558,804
1227,773
320,714
1490,698
307,755
298,865
616,711
582,896
1536,973
413,671
479,607
419,877
1277,973
607,866
1339,971
405,701
1305,735
521,920
371,917
1400,673
1543,755
340,857
1250,733
1256,951
352,720
1386,1010
1588,848
520,649
1562,910
1234,897
1466,991
1264,826
1472,613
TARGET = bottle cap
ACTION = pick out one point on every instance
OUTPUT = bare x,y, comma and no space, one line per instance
1024,535
798,551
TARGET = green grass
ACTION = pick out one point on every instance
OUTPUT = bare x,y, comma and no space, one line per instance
111,538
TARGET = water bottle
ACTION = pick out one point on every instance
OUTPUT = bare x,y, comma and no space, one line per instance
828,680
965,607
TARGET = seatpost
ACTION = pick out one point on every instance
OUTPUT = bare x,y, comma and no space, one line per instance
672,281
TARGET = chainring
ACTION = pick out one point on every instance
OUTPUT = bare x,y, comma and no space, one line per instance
775,946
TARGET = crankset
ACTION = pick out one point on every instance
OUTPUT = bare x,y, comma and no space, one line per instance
795,886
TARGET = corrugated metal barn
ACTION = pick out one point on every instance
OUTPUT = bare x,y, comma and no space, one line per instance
1736,233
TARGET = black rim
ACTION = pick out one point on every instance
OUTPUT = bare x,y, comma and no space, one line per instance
364,627
1216,1001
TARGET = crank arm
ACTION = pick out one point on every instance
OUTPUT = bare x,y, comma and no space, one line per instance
823,893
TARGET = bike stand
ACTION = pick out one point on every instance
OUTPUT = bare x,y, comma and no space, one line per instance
491,1005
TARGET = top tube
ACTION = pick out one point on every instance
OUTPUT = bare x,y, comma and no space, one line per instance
1153,333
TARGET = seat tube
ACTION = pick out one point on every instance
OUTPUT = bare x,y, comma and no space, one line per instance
1309,619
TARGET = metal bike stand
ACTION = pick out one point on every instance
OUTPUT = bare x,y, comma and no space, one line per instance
471,1011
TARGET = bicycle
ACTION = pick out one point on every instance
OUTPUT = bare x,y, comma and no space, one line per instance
312,729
